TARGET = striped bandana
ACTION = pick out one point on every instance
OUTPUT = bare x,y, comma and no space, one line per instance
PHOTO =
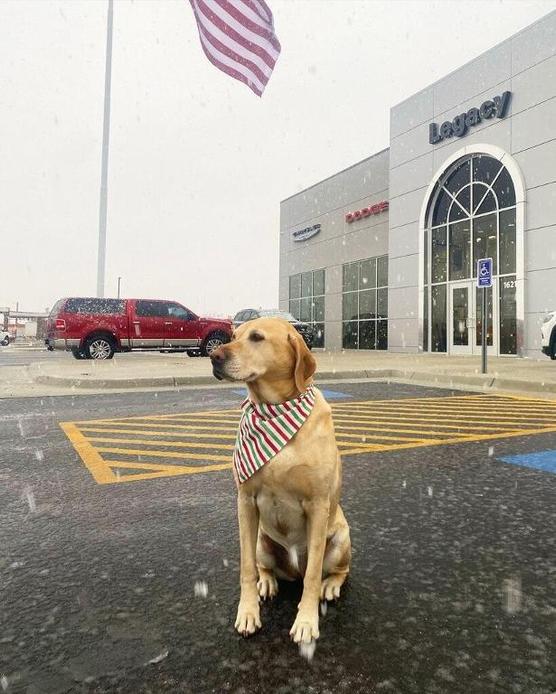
265,429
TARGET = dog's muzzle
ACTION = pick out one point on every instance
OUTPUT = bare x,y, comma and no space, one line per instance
218,359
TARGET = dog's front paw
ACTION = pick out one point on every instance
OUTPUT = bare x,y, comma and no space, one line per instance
267,585
306,626
248,618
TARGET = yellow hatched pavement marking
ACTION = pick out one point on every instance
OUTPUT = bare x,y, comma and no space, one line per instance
143,446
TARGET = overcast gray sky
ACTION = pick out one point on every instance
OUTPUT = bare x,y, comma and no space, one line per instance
198,163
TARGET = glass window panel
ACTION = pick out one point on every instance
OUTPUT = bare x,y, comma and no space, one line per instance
349,335
460,250
506,232
504,189
457,213
367,334
460,316
438,252
441,205
367,273
367,304
382,334
349,306
487,205
350,279
382,271
438,318
464,198
305,310
382,303
485,168
484,240
294,309
318,339
458,178
306,284
479,311
479,192
426,255
318,309
508,322
426,320
318,282
295,286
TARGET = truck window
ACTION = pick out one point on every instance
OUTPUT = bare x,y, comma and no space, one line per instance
152,309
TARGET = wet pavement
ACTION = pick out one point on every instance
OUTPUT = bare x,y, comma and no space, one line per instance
134,587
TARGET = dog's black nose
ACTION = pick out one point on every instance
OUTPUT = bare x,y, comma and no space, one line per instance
217,357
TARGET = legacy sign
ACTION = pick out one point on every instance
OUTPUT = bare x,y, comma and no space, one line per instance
307,233
497,107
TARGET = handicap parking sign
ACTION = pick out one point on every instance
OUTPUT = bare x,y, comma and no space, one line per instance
484,272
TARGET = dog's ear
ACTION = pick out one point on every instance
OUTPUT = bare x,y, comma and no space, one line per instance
305,364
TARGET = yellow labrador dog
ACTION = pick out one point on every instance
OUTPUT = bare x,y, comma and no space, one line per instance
291,524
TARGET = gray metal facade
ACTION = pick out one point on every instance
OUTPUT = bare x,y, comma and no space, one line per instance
525,141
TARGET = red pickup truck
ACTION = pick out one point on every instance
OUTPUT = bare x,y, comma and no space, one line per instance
97,328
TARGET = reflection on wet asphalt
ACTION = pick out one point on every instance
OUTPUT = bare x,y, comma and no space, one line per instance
133,588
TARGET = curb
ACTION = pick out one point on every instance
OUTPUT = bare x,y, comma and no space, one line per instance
484,382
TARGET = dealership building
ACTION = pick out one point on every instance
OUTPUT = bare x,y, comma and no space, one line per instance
383,255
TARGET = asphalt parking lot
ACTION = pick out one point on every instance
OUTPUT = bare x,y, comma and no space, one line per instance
120,564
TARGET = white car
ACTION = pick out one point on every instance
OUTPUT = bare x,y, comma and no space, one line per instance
548,332
4,338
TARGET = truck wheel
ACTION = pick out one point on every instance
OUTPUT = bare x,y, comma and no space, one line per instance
5,342
78,354
213,341
99,347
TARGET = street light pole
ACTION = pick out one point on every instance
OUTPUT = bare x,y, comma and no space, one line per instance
104,166
119,280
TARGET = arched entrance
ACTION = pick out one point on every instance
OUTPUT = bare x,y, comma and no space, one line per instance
474,208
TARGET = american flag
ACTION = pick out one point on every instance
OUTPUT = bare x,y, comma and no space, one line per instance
238,37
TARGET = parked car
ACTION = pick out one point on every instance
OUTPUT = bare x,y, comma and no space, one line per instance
548,335
304,329
4,338
97,328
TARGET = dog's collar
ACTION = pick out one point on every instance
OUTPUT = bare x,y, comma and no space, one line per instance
265,429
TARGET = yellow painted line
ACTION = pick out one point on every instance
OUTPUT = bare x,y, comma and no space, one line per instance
173,444
454,408
88,454
160,470
421,430
385,438
179,427
433,416
160,454
147,432
470,439
344,427
197,420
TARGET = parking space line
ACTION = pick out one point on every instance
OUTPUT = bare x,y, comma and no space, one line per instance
147,447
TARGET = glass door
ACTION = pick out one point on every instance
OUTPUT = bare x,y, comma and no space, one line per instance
461,327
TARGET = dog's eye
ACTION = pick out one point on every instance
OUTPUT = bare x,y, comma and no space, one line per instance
256,337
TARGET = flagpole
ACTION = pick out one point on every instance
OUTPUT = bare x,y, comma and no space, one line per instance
105,146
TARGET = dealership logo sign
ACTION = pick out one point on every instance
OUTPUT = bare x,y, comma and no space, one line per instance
495,108
381,206
307,233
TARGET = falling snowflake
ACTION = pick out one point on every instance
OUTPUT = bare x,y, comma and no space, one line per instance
200,589
307,650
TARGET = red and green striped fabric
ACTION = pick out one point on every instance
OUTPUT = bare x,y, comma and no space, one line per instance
265,429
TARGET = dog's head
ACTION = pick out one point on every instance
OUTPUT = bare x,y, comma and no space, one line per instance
265,350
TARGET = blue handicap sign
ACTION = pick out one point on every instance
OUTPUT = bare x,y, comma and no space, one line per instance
484,272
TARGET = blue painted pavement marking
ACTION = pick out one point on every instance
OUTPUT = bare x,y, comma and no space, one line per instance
544,460
328,394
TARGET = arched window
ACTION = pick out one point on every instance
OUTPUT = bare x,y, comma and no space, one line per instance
471,214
